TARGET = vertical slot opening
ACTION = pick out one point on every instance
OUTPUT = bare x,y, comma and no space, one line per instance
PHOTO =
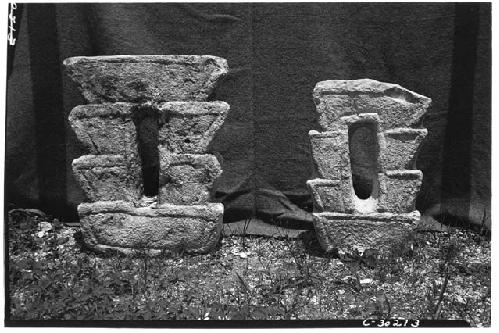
363,153
146,125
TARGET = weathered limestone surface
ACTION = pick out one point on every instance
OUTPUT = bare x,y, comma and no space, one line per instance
365,196
108,177
171,228
157,78
332,195
347,120
330,152
401,147
396,106
398,190
148,107
350,232
106,128
187,178
189,127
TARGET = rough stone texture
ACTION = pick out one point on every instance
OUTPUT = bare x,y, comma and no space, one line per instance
366,198
106,128
396,106
187,178
118,225
151,112
330,152
345,121
108,177
398,190
401,148
352,148
130,78
189,127
348,232
332,195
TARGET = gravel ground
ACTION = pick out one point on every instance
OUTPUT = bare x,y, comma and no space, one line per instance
432,275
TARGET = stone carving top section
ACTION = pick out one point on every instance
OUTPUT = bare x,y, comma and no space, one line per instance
153,78
396,106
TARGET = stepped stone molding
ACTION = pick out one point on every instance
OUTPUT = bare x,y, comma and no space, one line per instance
106,128
189,127
108,177
187,178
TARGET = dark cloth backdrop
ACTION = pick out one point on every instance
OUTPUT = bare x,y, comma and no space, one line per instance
276,54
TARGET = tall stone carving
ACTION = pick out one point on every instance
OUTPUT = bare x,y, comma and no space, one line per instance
169,92
366,186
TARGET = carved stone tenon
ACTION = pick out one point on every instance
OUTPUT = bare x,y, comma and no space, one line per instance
366,186
167,93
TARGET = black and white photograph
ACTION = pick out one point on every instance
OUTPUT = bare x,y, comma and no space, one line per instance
268,165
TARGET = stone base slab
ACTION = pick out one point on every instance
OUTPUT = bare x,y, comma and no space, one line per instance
349,232
119,226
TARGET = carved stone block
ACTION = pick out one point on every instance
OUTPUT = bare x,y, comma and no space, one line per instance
149,125
189,127
332,195
108,177
330,152
106,128
350,232
401,147
145,78
187,178
119,226
396,106
365,197
398,190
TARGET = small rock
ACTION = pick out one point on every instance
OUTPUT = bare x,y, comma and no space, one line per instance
45,226
63,240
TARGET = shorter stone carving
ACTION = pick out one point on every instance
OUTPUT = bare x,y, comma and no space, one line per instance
364,196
